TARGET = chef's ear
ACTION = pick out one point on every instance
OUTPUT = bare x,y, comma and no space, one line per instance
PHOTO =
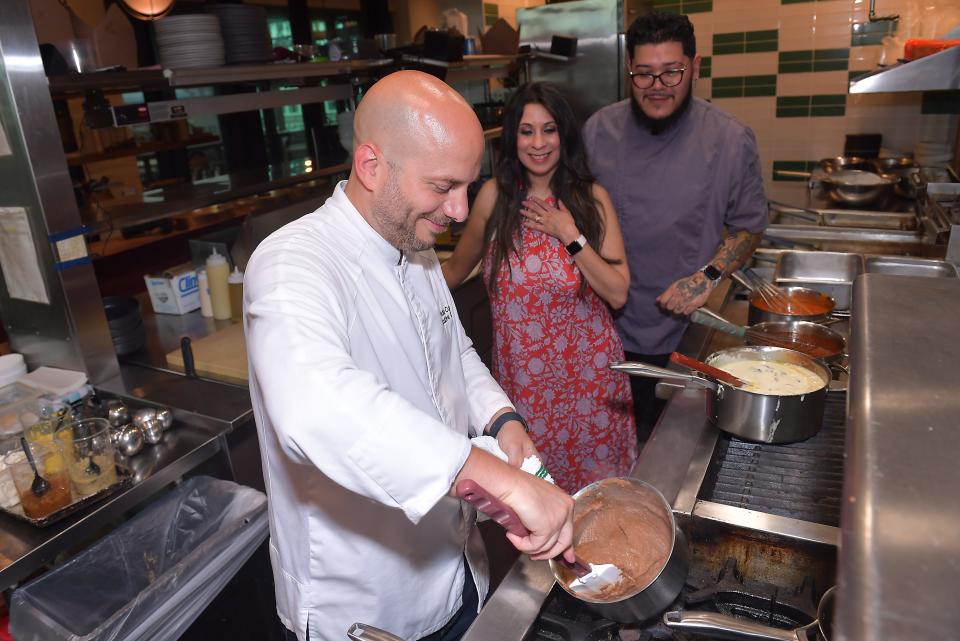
697,59
369,165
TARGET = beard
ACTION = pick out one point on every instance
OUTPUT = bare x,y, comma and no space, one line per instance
657,126
396,219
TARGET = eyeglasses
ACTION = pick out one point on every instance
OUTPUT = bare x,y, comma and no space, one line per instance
668,78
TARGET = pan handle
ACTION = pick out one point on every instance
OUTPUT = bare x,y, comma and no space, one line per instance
710,318
719,626
652,371
364,632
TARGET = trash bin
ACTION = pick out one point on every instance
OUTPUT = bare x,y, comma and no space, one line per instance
149,579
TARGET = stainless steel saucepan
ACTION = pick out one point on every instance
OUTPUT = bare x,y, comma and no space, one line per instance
763,418
719,626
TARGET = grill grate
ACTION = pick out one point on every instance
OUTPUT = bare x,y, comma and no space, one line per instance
797,480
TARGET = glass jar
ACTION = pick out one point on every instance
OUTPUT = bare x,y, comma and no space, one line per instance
49,464
89,454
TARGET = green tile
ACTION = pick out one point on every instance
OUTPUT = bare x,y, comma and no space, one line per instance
731,92
795,67
940,102
756,47
704,6
706,67
727,38
828,100
720,50
756,81
491,9
768,90
792,112
853,75
490,20
727,82
830,65
762,36
670,6
797,56
828,111
831,54
871,33
793,101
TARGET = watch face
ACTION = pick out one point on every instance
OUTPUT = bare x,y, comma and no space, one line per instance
712,272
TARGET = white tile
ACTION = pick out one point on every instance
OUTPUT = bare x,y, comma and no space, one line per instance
866,57
794,193
800,13
831,82
831,36
702,88
795,84
796,35
745,64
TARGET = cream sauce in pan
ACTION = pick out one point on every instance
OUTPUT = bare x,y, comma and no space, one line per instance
770,377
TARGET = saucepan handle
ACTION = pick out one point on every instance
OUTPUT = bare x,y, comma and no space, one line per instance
714,320
497,510
634,368
719,626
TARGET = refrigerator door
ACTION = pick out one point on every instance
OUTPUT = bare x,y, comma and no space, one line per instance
594,78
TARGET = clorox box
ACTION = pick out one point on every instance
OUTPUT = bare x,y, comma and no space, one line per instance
176,291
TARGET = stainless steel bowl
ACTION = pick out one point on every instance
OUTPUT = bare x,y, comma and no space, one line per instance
152,431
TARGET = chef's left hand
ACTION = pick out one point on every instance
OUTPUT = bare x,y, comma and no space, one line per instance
685,295
555,221
515,443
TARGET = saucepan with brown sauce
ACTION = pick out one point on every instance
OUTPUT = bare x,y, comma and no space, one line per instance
797,303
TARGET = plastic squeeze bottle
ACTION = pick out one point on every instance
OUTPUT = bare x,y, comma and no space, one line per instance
235,283
206,305
217,273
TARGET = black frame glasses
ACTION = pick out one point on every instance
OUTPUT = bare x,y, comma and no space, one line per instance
637,77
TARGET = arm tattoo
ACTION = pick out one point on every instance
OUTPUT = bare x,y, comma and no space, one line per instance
735,251
689,288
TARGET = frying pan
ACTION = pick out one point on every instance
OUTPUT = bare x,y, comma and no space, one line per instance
719,626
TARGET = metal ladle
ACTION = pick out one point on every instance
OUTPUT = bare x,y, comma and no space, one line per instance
40,485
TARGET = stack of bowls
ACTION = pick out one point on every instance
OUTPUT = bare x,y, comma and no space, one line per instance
246,38
126,324
192,40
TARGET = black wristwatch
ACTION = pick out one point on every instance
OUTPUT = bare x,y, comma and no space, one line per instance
712,273
577,245
505,418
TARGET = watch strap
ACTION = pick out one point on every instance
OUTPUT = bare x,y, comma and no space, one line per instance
577,245
505,418
712,273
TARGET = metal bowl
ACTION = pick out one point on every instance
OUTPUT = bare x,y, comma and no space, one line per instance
858,187
842,163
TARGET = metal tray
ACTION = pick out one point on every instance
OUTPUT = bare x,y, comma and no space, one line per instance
832,273
124,480
903,266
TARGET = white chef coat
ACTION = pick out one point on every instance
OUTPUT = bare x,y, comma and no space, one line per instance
359,375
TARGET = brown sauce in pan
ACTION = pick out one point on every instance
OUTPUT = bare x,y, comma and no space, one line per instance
810,345
794,304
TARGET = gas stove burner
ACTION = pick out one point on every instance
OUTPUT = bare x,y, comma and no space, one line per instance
565,618
755,600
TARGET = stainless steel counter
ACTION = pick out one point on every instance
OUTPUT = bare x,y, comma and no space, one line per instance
899,561
24,549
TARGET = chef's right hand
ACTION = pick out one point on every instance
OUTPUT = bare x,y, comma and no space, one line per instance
545,510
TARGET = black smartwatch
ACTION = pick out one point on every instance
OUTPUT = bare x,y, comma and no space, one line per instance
577,245
505,418
712,273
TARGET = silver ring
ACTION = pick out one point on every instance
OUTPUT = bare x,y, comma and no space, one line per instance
538,220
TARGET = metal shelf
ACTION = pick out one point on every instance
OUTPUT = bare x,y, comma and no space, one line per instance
937,72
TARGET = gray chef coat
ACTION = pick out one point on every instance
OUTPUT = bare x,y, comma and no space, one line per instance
674,193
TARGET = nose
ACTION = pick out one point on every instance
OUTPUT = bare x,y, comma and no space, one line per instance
456,206
538,139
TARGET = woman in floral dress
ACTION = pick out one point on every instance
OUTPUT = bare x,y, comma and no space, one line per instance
553,264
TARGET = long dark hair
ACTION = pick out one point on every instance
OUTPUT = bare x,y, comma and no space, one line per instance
571,183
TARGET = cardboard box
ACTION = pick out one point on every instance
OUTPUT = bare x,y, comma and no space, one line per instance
176,291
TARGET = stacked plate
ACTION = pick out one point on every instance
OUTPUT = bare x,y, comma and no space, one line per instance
246,37
126,324
189,40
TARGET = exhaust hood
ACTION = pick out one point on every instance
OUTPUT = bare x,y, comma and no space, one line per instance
938,72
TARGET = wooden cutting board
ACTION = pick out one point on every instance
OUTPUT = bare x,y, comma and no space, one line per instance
222,355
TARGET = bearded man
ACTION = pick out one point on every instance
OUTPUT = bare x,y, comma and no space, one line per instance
686,185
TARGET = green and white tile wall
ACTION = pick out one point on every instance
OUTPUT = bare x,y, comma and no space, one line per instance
783,67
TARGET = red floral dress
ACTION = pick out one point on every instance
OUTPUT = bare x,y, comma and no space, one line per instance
552,347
